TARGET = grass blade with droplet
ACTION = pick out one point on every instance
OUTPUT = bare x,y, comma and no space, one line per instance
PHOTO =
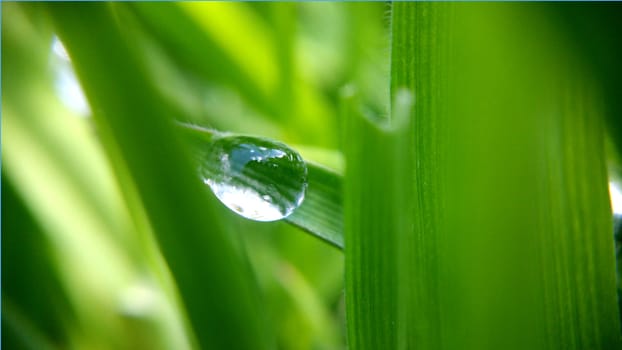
320,214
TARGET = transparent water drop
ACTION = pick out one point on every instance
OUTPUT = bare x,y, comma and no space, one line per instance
257,178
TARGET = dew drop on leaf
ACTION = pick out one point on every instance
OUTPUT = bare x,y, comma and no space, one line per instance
259,179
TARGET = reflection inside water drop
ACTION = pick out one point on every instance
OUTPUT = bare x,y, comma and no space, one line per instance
259,179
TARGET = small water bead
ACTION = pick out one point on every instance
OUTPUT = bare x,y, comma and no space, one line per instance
257,178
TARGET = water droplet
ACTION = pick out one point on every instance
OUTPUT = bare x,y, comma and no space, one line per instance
257,178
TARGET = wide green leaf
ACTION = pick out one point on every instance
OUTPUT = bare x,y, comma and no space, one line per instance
484,222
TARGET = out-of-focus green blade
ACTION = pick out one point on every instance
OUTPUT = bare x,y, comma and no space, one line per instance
28,273
215,284
494,230
74,204
234,71
596,29
218,58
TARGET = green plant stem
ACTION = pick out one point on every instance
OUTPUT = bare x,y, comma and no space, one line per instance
484,223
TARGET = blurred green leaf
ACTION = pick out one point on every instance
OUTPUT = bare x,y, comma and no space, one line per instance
243,71
35,311
67,190
214,282
199,44
595,31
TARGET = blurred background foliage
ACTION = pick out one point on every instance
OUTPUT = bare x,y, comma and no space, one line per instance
81,267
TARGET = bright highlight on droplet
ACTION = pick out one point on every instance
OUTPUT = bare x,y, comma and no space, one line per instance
616,198
66,83
259,179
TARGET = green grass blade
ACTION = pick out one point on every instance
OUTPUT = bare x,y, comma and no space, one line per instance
494,231
29,319
69,192
374,212
216,287
320,214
